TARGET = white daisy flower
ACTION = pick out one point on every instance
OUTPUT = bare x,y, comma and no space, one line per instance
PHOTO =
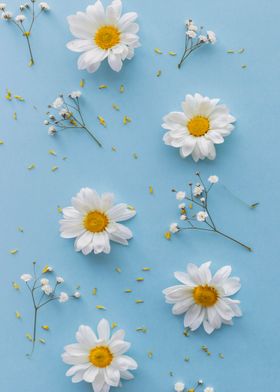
26,277
99,360
202,124
93,221
213,179
201,216
63,297
179,387
203,298
103,34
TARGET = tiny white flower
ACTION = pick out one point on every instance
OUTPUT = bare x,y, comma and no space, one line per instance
174,228
183,217
213,179
59,279
75,94
212,37
180,195
198,190
46,122
200,382
203,38
26,277
201,216
44,6
182,205
202,199
52,130
47,289
191,33
77,294
58,102
63,297
44,281
192,27
209,389
7,15
63,113
20,18
2,6
179,387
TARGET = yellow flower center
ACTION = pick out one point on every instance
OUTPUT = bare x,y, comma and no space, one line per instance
205,296
107,36
198,126
95,221
100,356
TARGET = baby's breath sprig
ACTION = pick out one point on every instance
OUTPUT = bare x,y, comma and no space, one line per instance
69,115
25,20
42,293
194,39
202,219
180,387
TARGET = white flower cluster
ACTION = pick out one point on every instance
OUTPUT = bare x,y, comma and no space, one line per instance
192,32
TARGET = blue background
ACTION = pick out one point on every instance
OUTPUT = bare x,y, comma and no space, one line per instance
247,163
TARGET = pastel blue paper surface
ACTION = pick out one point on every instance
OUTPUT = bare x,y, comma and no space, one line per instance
247,163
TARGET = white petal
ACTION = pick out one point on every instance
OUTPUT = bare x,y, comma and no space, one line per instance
112,376
74,369
107,200
231,286
83,240
103,330
119,347
120,212
221,275
90,374
115,61
79,45
182,306
86,337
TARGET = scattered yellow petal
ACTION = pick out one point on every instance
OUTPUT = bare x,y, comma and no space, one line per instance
146,269
8,96
18,315
158,51
19,98
116,107
230,51
29,337
130,207
167,235
31,167
142,329
117,269
100,307
128,291
15,285
1,141
150,354
240,51
126,120
135,155
159,72
114,149
139,279
121,88
45,327
41,340
82,83
172,53
151,190
244,66
46,269
190,206
54,168
102,121
59,209
13,251
114,325
139,301
15,116
52,152
94,291
102,86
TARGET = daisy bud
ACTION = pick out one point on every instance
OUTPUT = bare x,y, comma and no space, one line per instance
44,281
47,289
212,37
213,179
52,131
77,294
59,280
20,18
7,15
201,216
63,297
44,6
75,94
26,277
179,387
174,228
180,195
